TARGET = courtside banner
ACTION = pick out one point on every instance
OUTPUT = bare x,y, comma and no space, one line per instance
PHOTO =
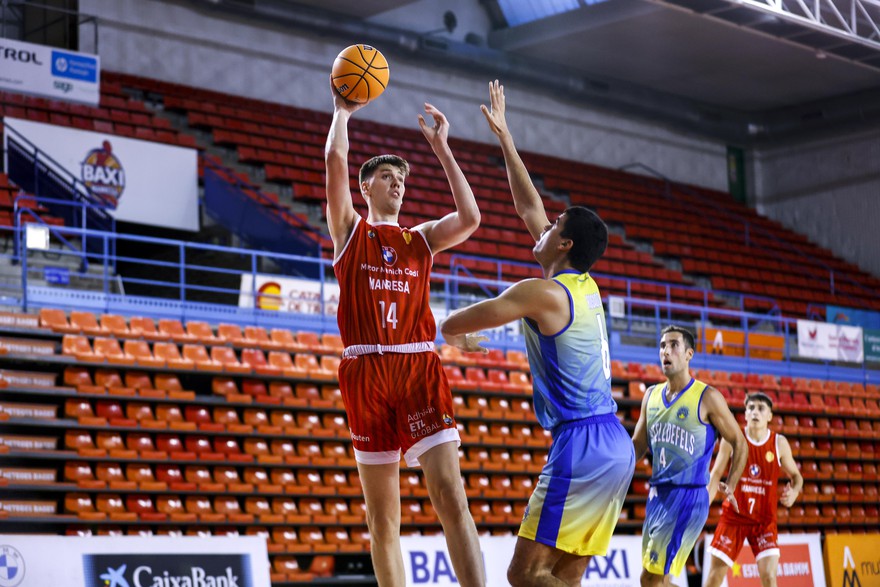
46,71
287,294
852,560
800,563
427,562
133,561
830,342
141,181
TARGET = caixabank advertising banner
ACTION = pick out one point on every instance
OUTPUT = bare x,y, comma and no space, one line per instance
133,561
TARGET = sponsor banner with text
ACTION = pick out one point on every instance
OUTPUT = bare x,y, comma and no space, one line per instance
133,561
830,342
800,563
872,345
427,562
141,181
46,71
852,560
287,294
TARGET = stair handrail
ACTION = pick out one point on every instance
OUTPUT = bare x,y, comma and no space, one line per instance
80,188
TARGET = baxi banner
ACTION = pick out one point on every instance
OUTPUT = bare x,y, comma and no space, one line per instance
800,563
46,71
141,181
133,561
426,561
830,342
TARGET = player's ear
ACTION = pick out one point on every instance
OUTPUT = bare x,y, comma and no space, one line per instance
566,244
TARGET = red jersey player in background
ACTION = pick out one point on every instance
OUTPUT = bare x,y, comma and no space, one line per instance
396,395
756,495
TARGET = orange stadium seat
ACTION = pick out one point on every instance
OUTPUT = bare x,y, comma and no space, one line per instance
168,352
199,356
115,325
201,332
230,333
86,323
173,329
285,340
56,320
138,352
146,328
258,337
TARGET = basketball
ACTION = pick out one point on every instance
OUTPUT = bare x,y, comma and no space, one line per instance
360,73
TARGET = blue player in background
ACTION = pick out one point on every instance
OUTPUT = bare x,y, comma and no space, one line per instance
680,421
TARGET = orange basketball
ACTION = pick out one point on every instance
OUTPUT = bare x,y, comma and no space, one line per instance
360,73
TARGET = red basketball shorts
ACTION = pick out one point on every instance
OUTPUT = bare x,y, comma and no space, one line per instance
728,540
396,402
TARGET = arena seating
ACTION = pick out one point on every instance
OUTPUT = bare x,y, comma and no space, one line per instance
147,444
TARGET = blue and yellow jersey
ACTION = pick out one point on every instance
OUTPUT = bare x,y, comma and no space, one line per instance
680,441
571,370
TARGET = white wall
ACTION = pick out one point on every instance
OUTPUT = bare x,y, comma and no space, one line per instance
828,190
171,41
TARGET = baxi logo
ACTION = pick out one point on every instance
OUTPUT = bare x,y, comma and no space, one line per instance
114,577
166,570
103,174
11,566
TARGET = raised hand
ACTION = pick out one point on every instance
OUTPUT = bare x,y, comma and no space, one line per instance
495,112
340,103
439,132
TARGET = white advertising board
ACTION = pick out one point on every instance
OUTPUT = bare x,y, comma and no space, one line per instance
133,561
426,561
287,294
142,181
46,71
830,342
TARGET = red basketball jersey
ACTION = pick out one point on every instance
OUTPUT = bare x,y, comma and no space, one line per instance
756,493
384,286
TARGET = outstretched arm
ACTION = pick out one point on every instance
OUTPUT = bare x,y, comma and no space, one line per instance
786,460
719,468
526,198
340,210
718,415
537,299
453,228
640,433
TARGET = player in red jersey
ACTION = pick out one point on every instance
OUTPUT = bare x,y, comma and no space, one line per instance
769,453
396,395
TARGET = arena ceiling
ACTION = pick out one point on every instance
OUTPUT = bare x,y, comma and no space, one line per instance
720,68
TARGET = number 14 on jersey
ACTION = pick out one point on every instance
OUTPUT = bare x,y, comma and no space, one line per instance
390,317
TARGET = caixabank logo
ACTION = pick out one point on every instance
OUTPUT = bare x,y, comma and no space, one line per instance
167,570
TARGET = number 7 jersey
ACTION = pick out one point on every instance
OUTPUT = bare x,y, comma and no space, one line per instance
384,276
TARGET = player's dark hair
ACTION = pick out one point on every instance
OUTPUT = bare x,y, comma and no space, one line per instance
371,165
588,234
759,397
686,334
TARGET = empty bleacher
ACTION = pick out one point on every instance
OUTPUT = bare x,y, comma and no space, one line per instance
155,426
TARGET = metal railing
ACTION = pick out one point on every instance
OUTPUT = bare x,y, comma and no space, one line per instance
177,286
